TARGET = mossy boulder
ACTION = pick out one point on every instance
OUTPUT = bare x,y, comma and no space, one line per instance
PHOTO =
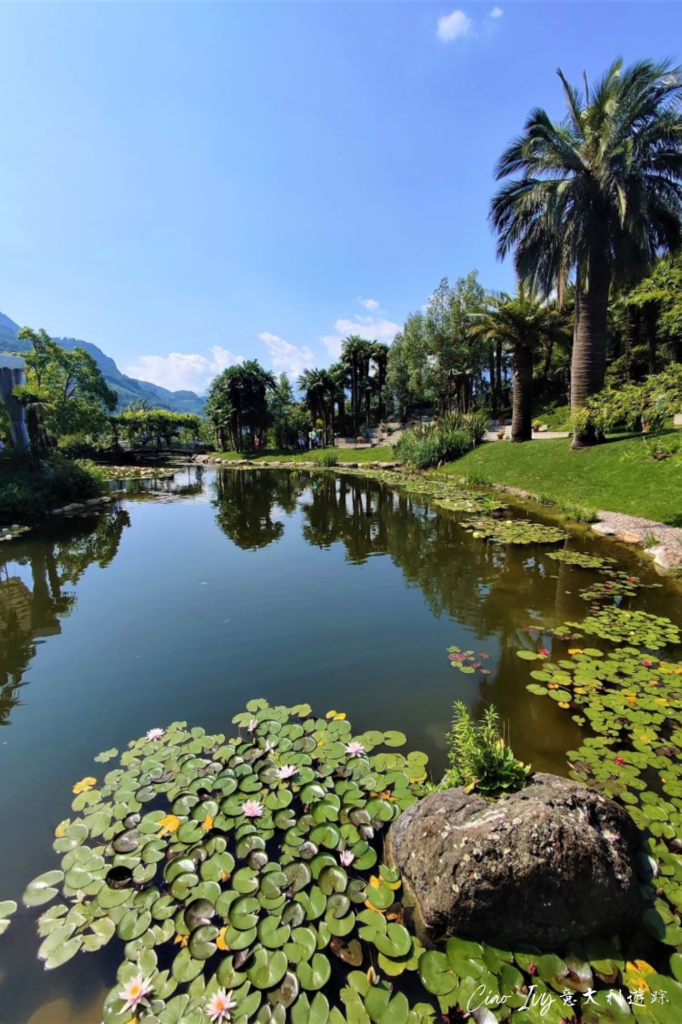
552,863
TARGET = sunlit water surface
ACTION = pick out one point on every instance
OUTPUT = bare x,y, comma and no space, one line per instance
220,586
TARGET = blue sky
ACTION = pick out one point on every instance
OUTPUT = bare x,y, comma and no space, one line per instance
185,184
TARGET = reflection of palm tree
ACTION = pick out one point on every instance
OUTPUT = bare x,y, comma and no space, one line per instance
245,501
27,613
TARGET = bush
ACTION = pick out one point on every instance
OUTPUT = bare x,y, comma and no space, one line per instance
329,457
448,439
29,488
479,757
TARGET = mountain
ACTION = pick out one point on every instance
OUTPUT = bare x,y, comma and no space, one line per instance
128,389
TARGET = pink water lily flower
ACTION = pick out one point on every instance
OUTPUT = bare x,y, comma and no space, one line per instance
155,734
346,858
253,725
544,650
287,771
355,749
252,809
619,760
135,992
220,1006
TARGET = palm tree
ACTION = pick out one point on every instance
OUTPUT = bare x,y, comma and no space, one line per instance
380,359
319,390
599,194
237,398
355,354
521,323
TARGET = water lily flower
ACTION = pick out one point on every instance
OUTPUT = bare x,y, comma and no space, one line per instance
619,760
355,749
532,969
286,771
155,734
252,809
269,748
135,992
220,1006
647,664
346,858
544,650
253,725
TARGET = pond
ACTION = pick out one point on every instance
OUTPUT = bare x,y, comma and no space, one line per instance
190,597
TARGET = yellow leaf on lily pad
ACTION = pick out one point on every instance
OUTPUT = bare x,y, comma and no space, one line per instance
61,828
220,940
85,784
169,823
207,823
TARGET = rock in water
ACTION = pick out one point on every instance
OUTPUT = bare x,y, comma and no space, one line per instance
551,863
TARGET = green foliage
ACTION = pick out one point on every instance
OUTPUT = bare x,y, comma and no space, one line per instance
479,757
653,400
65,392
329,457
31,487
444,441
136,423
238,402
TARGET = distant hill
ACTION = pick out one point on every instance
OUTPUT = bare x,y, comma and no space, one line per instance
128,389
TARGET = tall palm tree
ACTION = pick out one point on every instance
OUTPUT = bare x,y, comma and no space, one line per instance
522,324
355,354
380,359
599,194
319,390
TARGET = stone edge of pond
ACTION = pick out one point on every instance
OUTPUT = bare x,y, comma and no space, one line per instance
649,539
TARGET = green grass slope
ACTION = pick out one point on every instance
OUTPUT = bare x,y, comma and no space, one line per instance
619,476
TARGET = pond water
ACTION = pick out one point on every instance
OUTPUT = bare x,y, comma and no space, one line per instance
189,599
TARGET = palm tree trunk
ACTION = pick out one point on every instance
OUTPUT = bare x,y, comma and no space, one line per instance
522,394
650,330
588,364
631,334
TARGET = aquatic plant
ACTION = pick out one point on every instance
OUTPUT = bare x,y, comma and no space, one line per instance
618,625
580,558
478,756
513,531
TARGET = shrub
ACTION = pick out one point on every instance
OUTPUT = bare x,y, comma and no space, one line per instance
31,488
448,439
479,757
328,457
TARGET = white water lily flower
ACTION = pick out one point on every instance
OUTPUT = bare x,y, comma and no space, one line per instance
252,809
156,734
355,749
287,771
346,858
220,1006
135,992
253,725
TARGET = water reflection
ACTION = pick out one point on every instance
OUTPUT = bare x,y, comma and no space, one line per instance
249,505
37,589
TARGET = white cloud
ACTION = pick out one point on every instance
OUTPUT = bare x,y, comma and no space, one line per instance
369,303
496,12
184,371
452,26
368,327
292,359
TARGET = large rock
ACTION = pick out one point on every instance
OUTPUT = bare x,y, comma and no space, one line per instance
551,863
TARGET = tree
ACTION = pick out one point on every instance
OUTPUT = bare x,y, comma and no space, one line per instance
599,194
237,402
522,324
64,394
379,356
356,355
319,390
282,410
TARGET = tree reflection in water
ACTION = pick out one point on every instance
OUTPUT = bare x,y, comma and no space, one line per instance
32,603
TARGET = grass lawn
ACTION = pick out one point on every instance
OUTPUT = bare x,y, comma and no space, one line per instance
378,454
618,476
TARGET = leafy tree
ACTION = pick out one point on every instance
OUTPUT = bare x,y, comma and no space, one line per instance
599,194
355,355
237,402
662,292
65,392
155,423
282,412
380,359
521,323
319,389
